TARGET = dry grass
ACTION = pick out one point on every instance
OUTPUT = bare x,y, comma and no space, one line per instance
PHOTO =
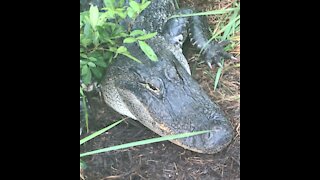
227,94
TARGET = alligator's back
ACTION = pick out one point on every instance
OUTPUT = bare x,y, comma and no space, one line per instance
153,18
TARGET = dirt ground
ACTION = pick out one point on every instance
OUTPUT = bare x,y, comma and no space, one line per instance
166,160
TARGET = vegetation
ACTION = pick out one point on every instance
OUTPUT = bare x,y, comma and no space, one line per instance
102,37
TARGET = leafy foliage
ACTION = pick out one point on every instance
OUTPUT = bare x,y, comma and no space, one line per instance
102,36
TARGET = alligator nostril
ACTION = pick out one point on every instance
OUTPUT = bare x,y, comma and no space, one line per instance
219,137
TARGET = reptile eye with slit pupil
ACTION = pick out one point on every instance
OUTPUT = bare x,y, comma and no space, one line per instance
152,87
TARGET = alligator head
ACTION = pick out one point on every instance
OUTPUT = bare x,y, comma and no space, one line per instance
165,98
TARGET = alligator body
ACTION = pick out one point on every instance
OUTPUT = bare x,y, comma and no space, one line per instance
162,95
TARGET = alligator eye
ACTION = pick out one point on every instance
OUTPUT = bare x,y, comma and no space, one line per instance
154,85
153,88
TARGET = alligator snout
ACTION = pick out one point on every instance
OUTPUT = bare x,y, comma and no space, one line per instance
214,141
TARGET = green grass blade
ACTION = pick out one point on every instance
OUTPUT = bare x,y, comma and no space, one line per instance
218,75
142,142
232,22
214,12
231,28
99,132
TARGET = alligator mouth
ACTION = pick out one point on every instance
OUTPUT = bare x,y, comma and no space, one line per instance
209,143
212,142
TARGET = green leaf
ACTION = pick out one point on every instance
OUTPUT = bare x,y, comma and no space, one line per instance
109,3
110,13
137,32
144,5
113,49
135,6
82,62
130,12
94,16
87,78
148,51
83,56
120,3
96,72
91,64
147,36
84,70
85,41
131,57
93,59
120,12
121,50
129,40
87,30
101,64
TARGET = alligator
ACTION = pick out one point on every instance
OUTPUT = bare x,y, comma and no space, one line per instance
162,95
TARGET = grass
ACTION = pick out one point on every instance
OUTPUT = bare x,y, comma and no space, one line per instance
128,145
226,27
207,13
143,142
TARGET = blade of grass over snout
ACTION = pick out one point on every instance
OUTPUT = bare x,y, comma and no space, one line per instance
99,132
143,142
